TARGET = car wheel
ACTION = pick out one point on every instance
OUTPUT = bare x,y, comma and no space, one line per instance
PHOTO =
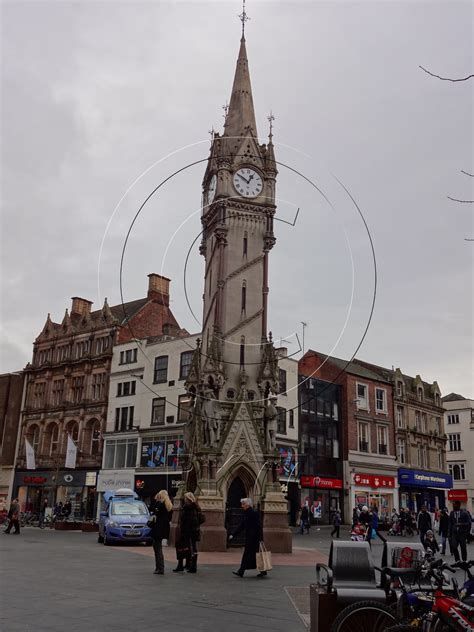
100,539
105,540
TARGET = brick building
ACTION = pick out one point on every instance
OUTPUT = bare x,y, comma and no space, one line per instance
66,392
364,428
11,392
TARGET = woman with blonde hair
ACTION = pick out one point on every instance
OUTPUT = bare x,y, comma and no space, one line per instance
190,522
160,527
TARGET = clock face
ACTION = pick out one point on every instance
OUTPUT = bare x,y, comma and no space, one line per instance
211,191
248,182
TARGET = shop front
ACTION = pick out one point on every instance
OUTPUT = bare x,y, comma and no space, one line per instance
323,496
76,486
374,491
148,485
111,480
419,487
458,494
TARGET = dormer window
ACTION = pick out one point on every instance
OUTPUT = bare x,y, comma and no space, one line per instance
399,388
419,393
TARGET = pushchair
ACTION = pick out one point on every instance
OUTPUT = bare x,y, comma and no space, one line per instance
358,533
394,529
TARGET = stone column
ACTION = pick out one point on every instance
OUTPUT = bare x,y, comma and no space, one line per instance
277,534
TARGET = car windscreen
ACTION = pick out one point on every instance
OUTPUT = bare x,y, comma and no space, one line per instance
124,508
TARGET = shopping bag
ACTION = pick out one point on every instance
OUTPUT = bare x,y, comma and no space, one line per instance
264,558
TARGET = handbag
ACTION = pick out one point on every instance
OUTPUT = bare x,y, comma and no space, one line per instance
264,558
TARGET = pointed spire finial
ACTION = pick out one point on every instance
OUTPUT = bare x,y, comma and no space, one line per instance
211,132
270,119
243,18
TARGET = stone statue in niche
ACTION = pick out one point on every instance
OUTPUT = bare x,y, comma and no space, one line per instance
270,417
210,419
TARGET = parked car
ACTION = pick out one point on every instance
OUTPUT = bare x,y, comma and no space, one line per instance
125,519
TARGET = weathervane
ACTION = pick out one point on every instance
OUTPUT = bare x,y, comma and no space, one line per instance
270,119
243,18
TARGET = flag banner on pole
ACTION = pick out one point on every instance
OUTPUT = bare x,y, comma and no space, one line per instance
30,456
71,453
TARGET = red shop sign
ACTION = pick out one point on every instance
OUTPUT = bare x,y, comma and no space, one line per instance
372,480
35,480
319,481
457,494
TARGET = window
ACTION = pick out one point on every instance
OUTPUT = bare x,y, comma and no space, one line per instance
158,411
245,245
382,439
457,471
424,457
453,419
419,393
424,422
243,302
161,370
129,356
124,418
185,364
71,429
33,436
417,420
363,437
54,440
282,381
120,453
380,400
102,344
362,396
77,389
454,442
335,412
98,386
399,388
161,451
281,420
438,425
57,392
242,352
400,419
437,400
126,388
401,450
291,419
38,394
440,459
62,353
95,438
184,407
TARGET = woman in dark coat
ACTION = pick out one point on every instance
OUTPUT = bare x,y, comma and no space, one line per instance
253,536
160,527
443,529
190,521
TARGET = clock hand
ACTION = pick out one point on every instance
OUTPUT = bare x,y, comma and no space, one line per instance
244,179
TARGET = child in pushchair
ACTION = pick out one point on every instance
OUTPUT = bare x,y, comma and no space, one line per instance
358,532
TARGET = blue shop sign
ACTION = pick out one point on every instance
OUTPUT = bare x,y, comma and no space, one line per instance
420,478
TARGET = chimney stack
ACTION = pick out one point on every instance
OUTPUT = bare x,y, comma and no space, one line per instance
80,306
159,289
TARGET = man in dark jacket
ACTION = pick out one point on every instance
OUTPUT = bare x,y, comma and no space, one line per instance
253,536
14,517
458,530
423,523
443,529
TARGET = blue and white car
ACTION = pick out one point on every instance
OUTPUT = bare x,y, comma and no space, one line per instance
125,519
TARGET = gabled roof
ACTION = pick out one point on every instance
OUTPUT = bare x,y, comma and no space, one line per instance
453,397
353,367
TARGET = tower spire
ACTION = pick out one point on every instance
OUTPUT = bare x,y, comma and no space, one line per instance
241,115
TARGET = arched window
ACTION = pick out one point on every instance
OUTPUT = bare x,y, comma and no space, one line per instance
95,438
72,429
50,439
33,436
245,244
243,296
54,440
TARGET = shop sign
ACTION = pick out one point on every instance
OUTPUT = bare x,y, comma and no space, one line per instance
91,479
72,478
420,478
319,481
457,494
34,480
150,484
111,480
372,480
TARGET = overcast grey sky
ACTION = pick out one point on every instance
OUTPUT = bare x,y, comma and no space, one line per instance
95,93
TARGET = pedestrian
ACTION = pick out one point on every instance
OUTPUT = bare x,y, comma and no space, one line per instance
409,522
190,520
304,519
403,522
160,527
430,543
336,521
443,529
253,536
14,517
423,523
355,516
44,507
67,509
365,519
375,524
458,530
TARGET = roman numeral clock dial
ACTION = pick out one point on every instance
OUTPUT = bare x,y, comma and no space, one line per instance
247,182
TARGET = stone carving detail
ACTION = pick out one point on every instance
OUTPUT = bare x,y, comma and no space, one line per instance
210,416
270,417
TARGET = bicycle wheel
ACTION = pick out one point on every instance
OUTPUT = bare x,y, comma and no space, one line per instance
364,616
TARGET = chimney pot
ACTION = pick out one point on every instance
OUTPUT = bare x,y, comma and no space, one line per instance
80,306
159,289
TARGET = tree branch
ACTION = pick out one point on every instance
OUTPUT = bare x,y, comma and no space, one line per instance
445,78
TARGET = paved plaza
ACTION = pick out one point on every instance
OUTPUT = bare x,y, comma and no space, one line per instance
55,581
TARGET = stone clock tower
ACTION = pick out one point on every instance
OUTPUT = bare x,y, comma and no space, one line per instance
230,438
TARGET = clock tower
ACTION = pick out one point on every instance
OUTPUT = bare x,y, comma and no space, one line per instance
233,380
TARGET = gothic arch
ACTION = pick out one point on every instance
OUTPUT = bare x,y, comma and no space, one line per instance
51,439
92,437
248,478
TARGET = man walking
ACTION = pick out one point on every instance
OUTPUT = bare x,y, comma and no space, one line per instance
443,529
253,536
336,521
304,519
423,523
459,528
14,517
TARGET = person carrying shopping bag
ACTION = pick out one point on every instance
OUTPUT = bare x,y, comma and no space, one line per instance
253,537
